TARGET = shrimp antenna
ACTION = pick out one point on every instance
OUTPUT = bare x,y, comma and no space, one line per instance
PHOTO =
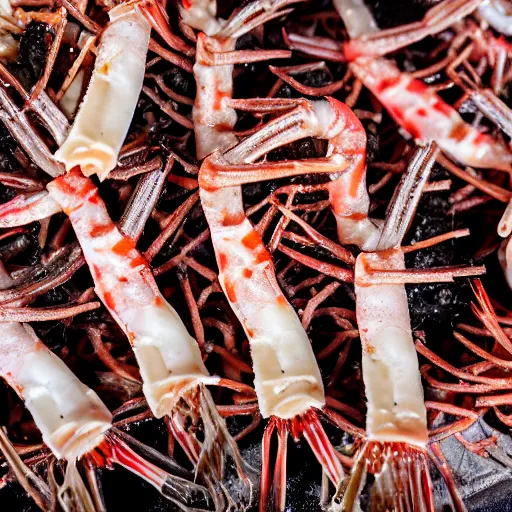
73,495
31,483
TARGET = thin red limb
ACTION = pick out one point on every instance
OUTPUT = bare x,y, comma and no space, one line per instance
280,467
281,225
375,187
183,181
200,269
344,408
265,221
158,19
73,70
469,417
227,330
20,182
432,275
326,90
495,382
205,294
167,108
343,424
237,410
488,317
336,249
478,368
241,174
124,174
338,367
265,465
313,303
321,446
173,58
27,292
318,47
339,339
337,312
469,204
230,358
446,431
183,252
306,283
325,268
171,225
124,370
87,22
52,57
491,189
493,401
243,56
159,79
437,186
192,306
236,386
456,388
479,447
250,428
452,409
443,467
504,363
430,242
21,314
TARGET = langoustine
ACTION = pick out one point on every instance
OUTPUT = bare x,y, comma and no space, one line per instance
412,104
169,358
287,378
396,421
74,422
396,425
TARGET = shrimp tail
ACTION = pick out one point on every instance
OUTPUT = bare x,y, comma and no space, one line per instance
213,452
397,475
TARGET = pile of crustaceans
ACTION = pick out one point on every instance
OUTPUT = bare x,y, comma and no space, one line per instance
255,255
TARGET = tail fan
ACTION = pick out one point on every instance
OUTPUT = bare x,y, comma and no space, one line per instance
396,476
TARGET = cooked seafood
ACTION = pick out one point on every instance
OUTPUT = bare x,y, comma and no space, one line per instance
285,242
73,421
